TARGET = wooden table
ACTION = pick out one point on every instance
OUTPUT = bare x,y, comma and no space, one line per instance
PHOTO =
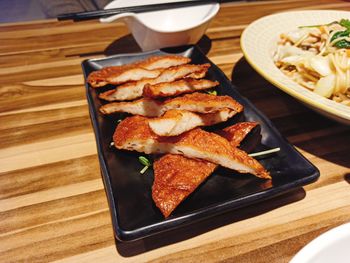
52,201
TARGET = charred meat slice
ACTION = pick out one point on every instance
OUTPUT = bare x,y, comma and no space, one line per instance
134,90
175,122
202,103
235,134
177,176
134,134
120,73
195,102
168,89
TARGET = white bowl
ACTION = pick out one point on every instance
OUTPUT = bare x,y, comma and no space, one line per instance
259,42
330,247
166,28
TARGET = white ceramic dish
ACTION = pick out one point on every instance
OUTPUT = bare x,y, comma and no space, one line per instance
259,42
330,247
166,28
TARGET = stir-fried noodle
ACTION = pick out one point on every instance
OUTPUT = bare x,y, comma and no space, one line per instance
318,58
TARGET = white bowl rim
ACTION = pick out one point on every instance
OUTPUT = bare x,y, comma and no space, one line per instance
214,8
320,243
314,103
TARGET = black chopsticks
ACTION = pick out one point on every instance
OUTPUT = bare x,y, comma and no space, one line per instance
131,9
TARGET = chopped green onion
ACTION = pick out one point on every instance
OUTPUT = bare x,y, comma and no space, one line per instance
341,43
265,152
345,23
212,92
145,162
309,26
144,169
334,22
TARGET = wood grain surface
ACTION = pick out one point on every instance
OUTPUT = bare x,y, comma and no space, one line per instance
52,201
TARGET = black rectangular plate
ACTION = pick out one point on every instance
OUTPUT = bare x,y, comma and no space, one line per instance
134,214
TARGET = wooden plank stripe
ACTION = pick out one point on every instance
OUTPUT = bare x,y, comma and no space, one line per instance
40,153
53,106
49,233
274,219
40,22
105,255
340,6
266,3
41,66
77,79
17,231
337,198
226,28
226,59
55,48
304,136
241,247
50,194
74,28
56,240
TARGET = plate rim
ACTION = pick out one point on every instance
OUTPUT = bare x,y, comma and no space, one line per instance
309,101
308,252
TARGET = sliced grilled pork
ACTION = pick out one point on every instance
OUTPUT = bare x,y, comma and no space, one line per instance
134,134
147,68
195,102
175,88
134,90
175,122
177,176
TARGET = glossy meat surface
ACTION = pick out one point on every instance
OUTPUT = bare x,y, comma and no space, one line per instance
134,89
195,102
177,176
175,88
134,133
147,68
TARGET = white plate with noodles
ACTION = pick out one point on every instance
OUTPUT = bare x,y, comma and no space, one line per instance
307,55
